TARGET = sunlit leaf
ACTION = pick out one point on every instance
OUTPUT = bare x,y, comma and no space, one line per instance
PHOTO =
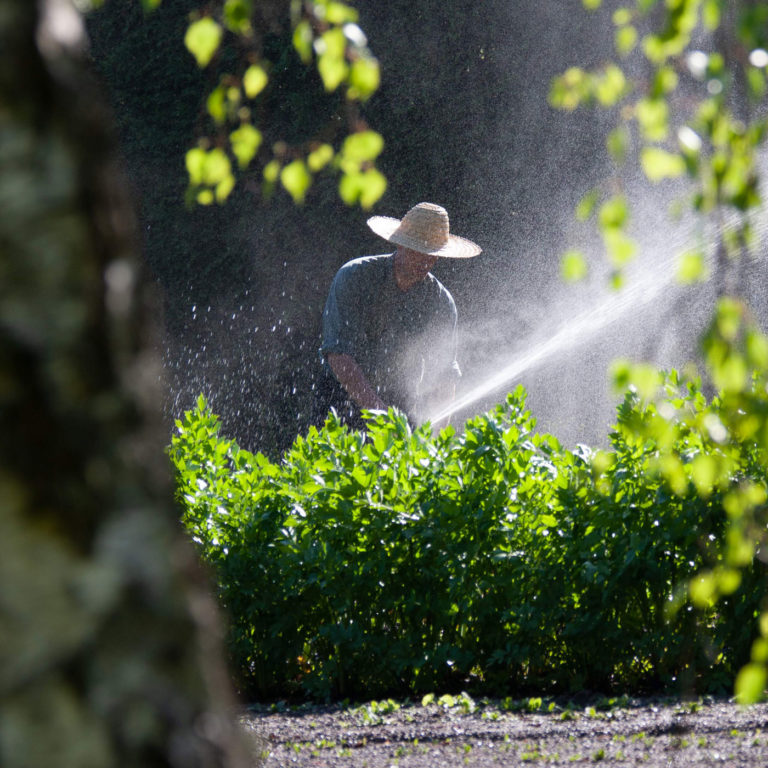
302,40
730,375
364,78
373,187
365,188
703,473
587,205
691,268
272,171
331,43
613,212
217,167
254,81
296,179
710,14
756,345
617,143
320,157
202,39
333,70
245,141
653,115
195,162
625,40
339,13
216,104
673,472
573,266
703,590
658,164
362,146
237,15
621,248
610,86
224,187
750,683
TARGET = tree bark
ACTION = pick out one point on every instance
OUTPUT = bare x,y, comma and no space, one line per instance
110,650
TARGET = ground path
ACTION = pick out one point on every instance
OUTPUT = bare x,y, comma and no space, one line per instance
466,733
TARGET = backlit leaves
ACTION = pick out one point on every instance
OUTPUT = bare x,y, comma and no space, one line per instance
245,141
573,266
658,164
254,81
202,39
296,179
325,35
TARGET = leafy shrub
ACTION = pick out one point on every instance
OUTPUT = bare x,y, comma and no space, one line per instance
493,560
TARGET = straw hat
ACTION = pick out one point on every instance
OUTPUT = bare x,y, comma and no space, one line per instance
424,229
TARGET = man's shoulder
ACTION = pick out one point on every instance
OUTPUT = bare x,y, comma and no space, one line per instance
363,270
367,263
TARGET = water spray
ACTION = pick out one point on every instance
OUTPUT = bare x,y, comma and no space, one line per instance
639,293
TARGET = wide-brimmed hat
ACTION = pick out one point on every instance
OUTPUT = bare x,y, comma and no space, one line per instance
424,229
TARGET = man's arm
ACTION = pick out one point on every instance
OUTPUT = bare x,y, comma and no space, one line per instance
351,377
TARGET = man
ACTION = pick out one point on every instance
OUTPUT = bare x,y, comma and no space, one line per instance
389,325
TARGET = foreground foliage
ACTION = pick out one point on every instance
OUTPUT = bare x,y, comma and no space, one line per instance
493,560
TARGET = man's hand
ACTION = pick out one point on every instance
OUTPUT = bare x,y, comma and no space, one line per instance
352,378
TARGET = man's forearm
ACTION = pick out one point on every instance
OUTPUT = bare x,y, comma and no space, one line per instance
352,378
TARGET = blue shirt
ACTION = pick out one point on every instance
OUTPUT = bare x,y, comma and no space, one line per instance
404,341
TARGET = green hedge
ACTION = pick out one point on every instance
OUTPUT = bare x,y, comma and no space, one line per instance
494,560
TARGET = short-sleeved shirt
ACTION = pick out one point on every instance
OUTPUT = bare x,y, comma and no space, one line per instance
404,341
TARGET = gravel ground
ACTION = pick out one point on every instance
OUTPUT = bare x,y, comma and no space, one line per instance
466,733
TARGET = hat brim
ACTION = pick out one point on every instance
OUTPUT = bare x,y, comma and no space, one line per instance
454,248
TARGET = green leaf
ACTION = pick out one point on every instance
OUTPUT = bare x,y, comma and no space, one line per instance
621,248
216,104
610,86
339,13
272,171
364,78
653,117
224,187
365,188
372,188
362,147
625,40
296,179
254,81
302,40
750,683
333,70
586,205
573,266
658,164
710,14
591,5
245,141
320,157
217,167
237,15
691,268
613,212
195,162
202,40
617,143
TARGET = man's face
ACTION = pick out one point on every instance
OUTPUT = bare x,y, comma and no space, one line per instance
411,267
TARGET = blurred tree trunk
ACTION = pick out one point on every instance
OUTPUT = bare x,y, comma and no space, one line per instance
109,643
